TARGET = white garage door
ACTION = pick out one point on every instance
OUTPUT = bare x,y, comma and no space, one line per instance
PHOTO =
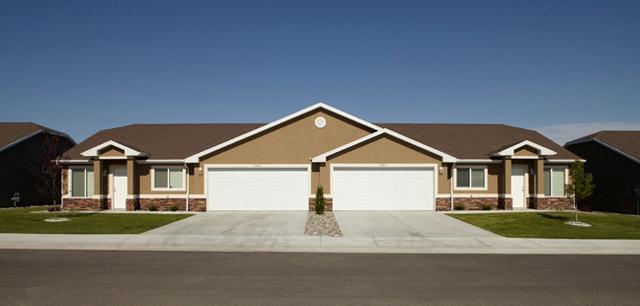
258,188
382,188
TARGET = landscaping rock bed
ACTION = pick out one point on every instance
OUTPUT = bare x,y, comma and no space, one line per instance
322,225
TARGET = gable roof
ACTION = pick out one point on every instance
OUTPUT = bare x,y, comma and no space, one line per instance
195,158
127,150
626,143
12,133
164,141
511,150
323,157
476,141
189,142
176,141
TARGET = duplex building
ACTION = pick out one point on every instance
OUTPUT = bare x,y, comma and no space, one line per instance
278,166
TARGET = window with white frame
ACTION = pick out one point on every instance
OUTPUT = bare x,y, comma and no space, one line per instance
81,182
471,177
168,178
554,181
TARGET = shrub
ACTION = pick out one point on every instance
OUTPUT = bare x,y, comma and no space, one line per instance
174,207
152,208
320,200
487,206
458,207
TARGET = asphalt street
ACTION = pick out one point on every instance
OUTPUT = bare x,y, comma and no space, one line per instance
29,277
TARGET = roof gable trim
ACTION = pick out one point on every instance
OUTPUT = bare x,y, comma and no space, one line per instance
21,139
615,150
510,151
95,151
196,157
323,157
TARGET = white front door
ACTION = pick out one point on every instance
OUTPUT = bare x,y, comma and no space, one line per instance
382,188
261,188
119,187
518,185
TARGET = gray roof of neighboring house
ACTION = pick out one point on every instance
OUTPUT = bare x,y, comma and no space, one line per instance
626,142
179,141
12,133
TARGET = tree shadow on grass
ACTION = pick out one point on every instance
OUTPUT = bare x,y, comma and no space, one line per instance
554,217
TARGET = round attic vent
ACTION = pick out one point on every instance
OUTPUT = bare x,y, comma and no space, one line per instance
320,122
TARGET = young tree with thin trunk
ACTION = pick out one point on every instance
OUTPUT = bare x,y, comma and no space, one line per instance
581,185
43,169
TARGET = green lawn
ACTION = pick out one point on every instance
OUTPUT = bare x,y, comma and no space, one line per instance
551,225
21,220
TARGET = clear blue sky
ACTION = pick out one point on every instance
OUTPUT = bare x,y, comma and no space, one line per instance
83,66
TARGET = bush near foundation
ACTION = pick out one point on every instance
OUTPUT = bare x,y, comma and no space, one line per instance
319,200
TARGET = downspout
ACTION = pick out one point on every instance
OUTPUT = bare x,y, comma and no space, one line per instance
451,187
186,169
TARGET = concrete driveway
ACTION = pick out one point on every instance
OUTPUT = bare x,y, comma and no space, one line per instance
380,224
238,223
370,224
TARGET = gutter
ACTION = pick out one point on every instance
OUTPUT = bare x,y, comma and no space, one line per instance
186,167
451,187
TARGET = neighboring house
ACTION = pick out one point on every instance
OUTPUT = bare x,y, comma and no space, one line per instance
279,165
26,151
613,158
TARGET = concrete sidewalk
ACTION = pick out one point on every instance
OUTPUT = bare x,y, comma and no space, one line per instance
408,245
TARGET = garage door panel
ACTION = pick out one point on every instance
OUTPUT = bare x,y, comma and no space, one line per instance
378,188
257,188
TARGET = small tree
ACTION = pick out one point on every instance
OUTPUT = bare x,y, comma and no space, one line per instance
44,170
581,186
319,200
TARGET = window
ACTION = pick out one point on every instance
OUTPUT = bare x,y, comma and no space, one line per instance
554,181
168,178
81,182
471,177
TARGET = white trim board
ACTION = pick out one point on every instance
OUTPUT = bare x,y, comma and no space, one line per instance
323,157
94,152
606,145
41,130
196,157
510,151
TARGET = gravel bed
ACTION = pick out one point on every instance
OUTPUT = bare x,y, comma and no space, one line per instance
322,225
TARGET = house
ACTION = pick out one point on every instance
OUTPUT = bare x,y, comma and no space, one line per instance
26,151
279,165
613,159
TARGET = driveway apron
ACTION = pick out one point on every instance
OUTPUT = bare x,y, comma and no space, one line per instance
380,224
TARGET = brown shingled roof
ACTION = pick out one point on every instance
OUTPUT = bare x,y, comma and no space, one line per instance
627,142
179,141
474,141
164,141
11,132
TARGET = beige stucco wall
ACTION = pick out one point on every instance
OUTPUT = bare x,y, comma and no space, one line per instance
381,150
526,151
111,151
294,143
